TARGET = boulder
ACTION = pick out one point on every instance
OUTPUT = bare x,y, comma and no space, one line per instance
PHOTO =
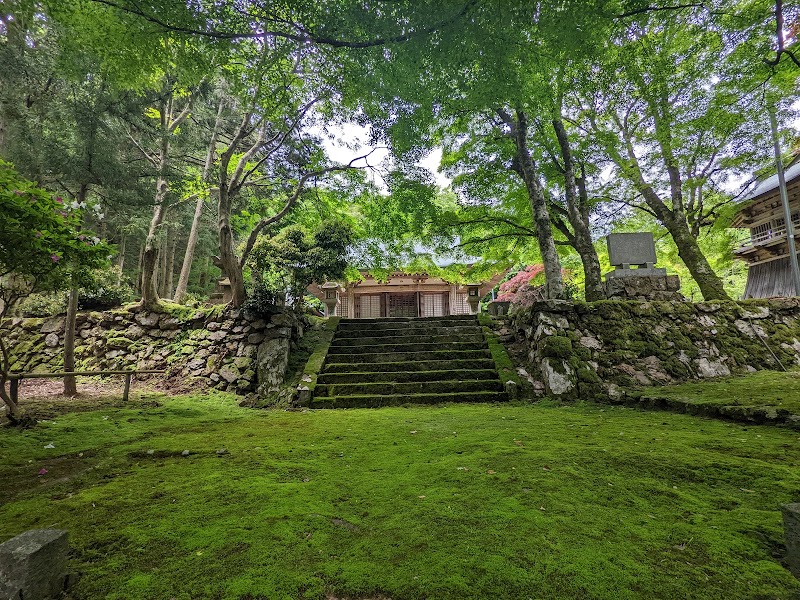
148,319
272,359
558,377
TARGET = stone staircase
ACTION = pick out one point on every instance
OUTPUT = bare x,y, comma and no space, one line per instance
390,361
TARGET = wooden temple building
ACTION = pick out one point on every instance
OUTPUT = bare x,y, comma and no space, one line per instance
767,251
402,295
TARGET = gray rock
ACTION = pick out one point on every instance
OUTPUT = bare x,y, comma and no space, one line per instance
555,382
278,332
282,320
185,453
757,312
148,319
212,326
242,362
707,368
135,332
303,397
53,324
271,362
229,373
33,565
512,389
217,336
255,338
591,342
791,527
51,340
195,364
170,323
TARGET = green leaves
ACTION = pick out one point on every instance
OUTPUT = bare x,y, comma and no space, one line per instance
41,248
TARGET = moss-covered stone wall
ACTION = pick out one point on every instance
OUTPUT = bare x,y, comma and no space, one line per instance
591,350
230,350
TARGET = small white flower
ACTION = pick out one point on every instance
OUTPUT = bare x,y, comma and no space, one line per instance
49,446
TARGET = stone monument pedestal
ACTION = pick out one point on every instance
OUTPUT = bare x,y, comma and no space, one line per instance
646,287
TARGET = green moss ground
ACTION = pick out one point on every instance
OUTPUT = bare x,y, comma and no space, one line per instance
766,388
467,501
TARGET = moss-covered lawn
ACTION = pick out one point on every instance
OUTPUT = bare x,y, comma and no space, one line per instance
463,501
766,388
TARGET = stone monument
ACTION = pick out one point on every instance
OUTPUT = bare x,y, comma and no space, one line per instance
33,565
791,525
646,281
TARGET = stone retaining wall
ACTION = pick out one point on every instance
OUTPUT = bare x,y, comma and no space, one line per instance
591,350
232,350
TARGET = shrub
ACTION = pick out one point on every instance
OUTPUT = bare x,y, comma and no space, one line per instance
43,305
262,301
108,289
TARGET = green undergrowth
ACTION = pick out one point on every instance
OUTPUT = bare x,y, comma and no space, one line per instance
777,389
451,501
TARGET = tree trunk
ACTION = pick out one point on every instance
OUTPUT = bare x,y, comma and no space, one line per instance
227,255
578,215
161,268
70,387
188,257
150,256
121,259
13,409
139,269
194,233
203,282
526,168
169,275
708,281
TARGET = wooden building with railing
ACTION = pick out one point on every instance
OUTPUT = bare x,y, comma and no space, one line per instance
769,271
402,295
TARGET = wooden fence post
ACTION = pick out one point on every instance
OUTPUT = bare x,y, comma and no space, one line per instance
127,387
14,385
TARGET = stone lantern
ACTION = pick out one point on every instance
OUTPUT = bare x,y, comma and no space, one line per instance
473,298
330,288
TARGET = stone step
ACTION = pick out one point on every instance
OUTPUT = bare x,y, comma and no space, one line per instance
404,376
407,325
415,366
405,388
407,348
427,338
392,357
376,401
406,331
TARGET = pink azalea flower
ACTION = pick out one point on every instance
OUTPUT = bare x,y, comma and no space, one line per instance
42,472
54,257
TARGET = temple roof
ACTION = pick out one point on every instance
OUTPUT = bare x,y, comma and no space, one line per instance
771,183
